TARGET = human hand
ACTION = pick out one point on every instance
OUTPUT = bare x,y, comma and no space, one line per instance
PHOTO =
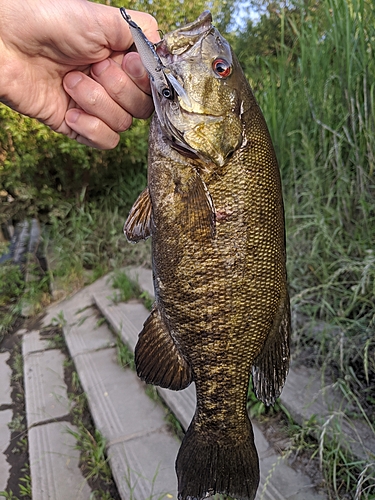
66,64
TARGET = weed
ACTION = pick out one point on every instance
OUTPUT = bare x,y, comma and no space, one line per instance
76,385
57,341
17,372
21,446
125,356
128,289
59,320
12,288
82,320
25,483
100,322
147,300
8,495
132,477
152,392
17,424
100,495
92,447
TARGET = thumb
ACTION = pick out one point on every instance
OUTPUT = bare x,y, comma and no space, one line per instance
116,30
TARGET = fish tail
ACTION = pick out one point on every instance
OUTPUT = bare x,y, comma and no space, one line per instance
208,467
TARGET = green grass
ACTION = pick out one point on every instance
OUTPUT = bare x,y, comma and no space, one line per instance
92,447
90,442
318,97
128,289
125,356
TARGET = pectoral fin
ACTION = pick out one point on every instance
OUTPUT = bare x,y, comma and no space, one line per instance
198,216
271,367
138,224
157,358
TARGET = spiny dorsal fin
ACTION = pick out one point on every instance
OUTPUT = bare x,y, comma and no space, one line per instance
138,224
157,357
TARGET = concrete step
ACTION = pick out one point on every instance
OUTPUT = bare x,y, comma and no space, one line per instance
140,446
54,461
278,480
306,396
6,414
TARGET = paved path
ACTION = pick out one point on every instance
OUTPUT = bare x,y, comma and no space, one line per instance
140,445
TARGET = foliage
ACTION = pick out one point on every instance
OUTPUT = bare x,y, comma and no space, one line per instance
127,288
173,13
92,447
125,356
44,174
312,68
12,288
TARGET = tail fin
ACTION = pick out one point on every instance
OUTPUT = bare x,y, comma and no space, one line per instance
205,467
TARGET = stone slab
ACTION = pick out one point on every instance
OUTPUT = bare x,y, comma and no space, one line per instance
76,302
45,389
126,318
5,434
33,342
118,404
306,397
54,464
86,335
181,403
279,481
143,277
143,467
5,376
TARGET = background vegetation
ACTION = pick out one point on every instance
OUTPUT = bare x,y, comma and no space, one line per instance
312,68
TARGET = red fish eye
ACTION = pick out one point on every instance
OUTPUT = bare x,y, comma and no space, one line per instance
222,67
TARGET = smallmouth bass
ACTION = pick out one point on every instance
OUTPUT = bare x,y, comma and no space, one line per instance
214,209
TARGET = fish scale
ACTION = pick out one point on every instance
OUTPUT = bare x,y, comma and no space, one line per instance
214,209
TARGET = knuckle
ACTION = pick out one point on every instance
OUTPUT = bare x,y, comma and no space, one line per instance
94,97
124,123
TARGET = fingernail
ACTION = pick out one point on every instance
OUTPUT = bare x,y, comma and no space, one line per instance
73,115
72,79
133,66
98,68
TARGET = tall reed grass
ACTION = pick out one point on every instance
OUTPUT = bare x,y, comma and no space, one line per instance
318,97
319,103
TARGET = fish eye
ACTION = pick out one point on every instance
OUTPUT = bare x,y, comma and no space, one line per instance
167,93
222,68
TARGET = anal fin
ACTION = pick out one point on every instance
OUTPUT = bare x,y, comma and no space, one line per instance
271,366
138,224
157,358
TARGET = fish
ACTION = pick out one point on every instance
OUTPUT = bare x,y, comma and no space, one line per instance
214,209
